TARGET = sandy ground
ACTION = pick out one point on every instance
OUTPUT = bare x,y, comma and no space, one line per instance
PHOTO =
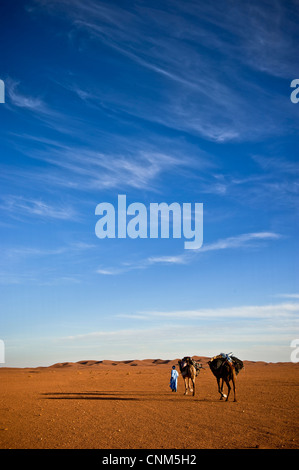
129,405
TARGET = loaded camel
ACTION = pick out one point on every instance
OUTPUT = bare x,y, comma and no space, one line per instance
189,370
226,368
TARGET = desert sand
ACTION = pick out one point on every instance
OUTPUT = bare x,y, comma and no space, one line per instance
129,405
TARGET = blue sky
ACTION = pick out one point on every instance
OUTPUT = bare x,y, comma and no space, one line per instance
162,102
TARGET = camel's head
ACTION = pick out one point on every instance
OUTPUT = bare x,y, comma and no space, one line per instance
184,362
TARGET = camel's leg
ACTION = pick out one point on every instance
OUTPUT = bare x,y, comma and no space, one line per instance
228,388
234,385
222,394
219,388
221,382
190,388
186,386
193,383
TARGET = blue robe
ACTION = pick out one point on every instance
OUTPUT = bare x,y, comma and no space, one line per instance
174,380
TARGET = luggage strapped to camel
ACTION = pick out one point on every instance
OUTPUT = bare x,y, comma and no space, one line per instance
197,366
222,358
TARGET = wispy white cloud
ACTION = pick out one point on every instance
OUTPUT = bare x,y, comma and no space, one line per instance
32,277
109,271
288,296
238,241
18,252
26,102
264,32
175,45
247,240
21,100
42,264
275,165
259,332
75,248
287,310
179,259
80,167
17,205
48,116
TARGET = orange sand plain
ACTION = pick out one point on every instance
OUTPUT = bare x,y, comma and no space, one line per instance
129,405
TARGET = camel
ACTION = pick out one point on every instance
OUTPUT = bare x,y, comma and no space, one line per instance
226,368
189,370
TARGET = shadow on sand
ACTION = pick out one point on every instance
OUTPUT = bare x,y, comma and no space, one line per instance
120,395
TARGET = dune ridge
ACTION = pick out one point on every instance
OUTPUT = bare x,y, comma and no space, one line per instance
142,362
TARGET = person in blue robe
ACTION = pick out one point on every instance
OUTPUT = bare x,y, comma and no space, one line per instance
174,379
